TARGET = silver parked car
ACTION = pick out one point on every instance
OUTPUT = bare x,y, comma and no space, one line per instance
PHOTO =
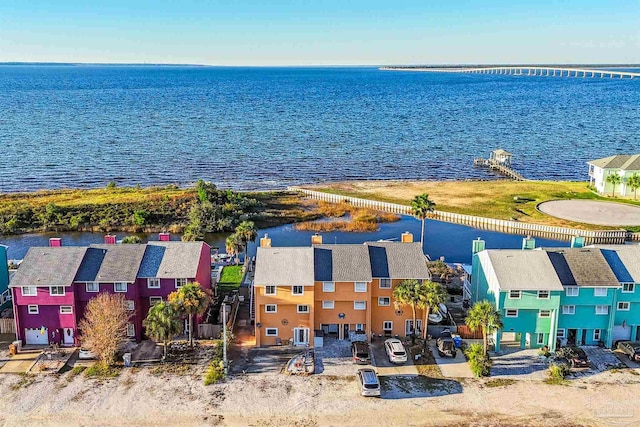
395,350
369,383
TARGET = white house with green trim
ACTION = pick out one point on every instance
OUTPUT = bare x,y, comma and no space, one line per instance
623,165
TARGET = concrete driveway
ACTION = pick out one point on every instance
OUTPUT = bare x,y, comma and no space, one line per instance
21,362
452,367
380,361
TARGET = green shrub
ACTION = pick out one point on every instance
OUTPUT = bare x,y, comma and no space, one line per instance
479,363
544,351
215,372
557,373
101,371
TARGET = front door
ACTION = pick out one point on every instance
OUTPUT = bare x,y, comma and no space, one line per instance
584,337
571,337
68,336
408,327
300,336
345,336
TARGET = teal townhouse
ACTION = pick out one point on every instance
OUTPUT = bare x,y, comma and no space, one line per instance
560,296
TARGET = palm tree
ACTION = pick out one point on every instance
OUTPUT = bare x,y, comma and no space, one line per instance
433,294
234,245
421,206
633,182
190,300
615,179
484,315
246,232
416,295
162,324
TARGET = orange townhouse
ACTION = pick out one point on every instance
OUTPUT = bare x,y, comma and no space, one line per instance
337,290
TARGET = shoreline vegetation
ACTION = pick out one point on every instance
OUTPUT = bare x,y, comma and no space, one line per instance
353,219
200,209
500,199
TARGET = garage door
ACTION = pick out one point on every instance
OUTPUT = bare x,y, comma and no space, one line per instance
36,336
621,333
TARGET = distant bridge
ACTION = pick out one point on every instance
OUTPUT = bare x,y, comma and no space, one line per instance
525,70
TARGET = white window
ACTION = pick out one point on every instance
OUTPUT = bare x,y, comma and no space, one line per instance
560,333
29,291
180,283
385,283
511,312
602,309
514,295
131,305
359,305
303,308
131,330
154,300
543,294
153,283
544,313
269,290
32,309
360,287
540,339
572,291
599,292
297,290
623,306
271,332
328,287
387,325
628,288
93,287
359,327
271,308
56,291
596,334
328,305
66,309
568,309
384,301
120,287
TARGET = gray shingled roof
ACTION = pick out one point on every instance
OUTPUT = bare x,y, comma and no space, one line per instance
168,260
120,263
46,266
586,267
397,260
627,162
284,266
517,269
342,263
630,257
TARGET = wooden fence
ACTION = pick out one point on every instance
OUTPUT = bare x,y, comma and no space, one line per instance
7,326
468,334
503,226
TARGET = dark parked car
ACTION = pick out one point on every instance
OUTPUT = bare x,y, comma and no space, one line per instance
360,351
576,356
445,344
631,349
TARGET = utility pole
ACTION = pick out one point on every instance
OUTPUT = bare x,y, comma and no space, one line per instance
224,337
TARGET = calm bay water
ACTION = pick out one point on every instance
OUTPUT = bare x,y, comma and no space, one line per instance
441,239
259,128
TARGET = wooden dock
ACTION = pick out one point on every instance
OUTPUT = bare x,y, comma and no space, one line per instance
500,168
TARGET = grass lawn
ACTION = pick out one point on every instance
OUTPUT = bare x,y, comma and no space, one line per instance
231,277
492,199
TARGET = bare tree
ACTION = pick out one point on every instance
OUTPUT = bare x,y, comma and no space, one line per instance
104,326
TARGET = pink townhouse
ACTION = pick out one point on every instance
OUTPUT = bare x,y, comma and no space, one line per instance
54,284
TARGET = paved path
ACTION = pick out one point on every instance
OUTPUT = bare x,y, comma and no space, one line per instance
20,363
452,367
593,212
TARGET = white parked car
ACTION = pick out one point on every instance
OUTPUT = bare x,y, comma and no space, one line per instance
395,350
86,354
369,383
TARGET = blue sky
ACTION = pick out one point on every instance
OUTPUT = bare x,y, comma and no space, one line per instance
321,32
